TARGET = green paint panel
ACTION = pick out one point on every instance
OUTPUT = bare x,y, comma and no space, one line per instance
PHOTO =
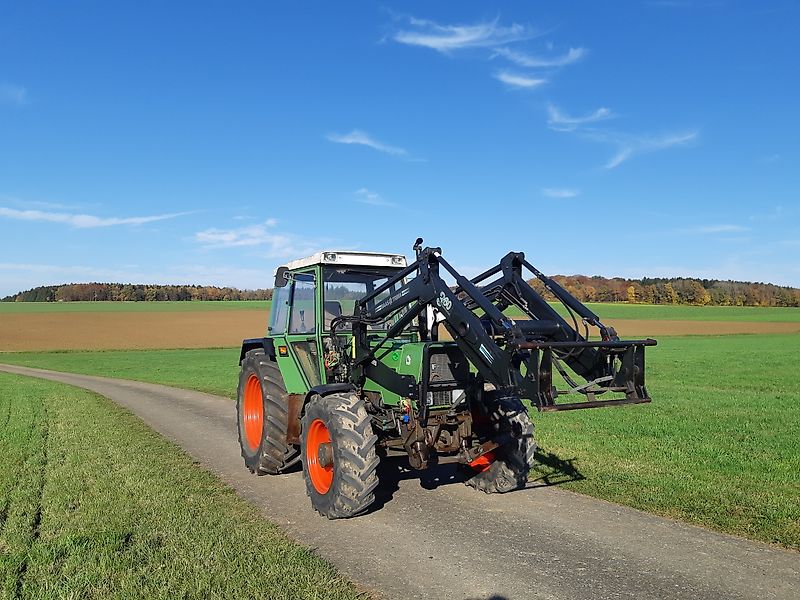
395,357
292,376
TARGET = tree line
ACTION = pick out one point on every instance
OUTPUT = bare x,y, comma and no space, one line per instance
130,292
648,290
673,290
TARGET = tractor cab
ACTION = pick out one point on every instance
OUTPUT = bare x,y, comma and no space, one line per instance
310,294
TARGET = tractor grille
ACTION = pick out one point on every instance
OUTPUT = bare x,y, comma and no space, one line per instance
448,366
440,398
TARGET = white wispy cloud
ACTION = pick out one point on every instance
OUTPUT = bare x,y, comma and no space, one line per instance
630,146
517,80
778,213
494,40
717,228
558,120
561,193
366,196
82,221
261,235
523,59
447,38
361,138
13,94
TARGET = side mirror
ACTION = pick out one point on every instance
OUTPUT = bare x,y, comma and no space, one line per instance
280,277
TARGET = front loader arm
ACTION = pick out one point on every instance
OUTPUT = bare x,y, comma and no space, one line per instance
511,288
429,289
517,358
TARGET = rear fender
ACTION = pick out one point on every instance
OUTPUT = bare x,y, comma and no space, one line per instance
326,390
265,344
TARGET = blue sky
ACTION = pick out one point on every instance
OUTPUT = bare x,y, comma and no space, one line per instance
209,142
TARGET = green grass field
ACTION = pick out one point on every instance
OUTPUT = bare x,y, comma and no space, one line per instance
608,311
94,504
213,370
655,312
717,447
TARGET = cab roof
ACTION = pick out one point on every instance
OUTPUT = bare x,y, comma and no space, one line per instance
349,258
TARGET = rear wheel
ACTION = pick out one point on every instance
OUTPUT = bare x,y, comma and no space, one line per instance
262,416
506,468
338,454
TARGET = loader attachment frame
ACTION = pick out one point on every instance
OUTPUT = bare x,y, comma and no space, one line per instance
517,358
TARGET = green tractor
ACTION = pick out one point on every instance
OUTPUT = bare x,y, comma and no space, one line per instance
352,369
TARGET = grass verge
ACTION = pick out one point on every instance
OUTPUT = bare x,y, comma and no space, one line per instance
94,504
717,447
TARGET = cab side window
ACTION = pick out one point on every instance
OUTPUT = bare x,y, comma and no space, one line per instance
303,318
280,310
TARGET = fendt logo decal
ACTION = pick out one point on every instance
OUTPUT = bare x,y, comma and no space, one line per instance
391,299
444,302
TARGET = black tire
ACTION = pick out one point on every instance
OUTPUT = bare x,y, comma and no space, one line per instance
509,471
270,453
351,488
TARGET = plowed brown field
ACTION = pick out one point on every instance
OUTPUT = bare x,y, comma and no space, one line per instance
204,329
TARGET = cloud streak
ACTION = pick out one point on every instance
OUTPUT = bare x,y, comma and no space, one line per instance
630,146
261,235
711,229
523,59
493,40
366,196
560,193
82,221
361,138
13,94
517,80
449,38
558,120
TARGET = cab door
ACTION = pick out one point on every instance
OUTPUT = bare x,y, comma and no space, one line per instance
303,336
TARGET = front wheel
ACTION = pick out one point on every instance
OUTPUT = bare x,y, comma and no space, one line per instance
506,468
337,447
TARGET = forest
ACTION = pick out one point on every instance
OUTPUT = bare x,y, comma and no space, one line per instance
128,292
697,292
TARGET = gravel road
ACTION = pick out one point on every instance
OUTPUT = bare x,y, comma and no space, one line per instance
436,538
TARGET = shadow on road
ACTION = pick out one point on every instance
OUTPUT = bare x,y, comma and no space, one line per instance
549,469
394,469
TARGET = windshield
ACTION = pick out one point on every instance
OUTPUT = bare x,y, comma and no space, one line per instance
344,286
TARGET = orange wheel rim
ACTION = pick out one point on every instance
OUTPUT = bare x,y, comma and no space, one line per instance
321,474
253,412
483,462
